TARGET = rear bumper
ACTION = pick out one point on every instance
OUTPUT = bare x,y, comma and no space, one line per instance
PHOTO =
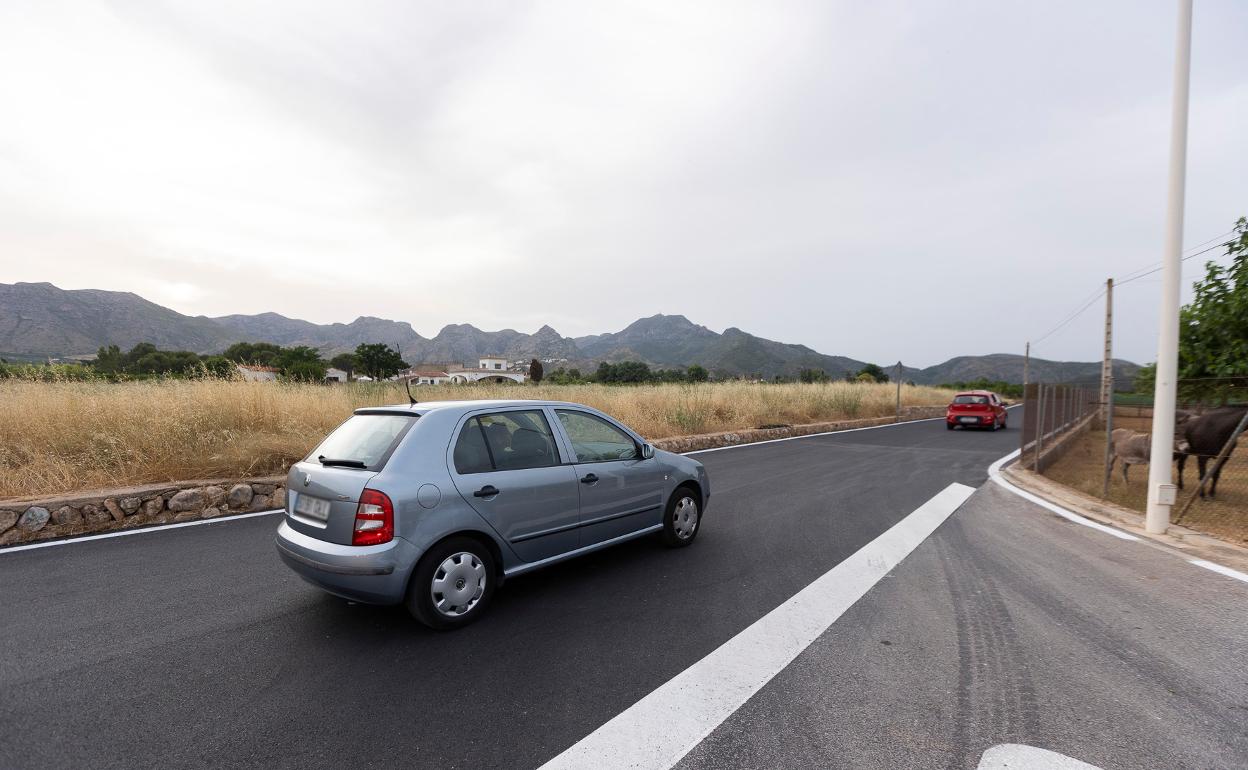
375,574
980,419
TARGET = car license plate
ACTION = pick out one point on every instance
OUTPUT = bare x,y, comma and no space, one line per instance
968,419
312,507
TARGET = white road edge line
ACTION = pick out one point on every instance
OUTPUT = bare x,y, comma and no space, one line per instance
994,473
136,531
144,530
1221,570
658,730
811,435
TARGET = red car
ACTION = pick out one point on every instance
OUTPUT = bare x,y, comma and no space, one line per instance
976,409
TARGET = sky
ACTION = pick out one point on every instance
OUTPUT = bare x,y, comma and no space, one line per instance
884,180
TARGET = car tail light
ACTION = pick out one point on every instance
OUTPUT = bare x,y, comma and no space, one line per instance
374,519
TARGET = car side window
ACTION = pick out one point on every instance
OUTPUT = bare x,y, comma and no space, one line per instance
471,455
505,441
596,440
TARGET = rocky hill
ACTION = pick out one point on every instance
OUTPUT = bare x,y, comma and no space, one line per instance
40,320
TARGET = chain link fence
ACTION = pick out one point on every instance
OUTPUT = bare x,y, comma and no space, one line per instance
1070,436
1054,417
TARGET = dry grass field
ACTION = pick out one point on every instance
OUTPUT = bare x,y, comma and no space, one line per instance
61,437
1083,468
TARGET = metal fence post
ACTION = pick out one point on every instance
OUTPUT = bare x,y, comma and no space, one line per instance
1039,424
1109,445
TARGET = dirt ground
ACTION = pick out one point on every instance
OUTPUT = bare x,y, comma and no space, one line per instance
1083,468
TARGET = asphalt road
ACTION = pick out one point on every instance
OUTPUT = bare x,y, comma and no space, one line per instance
196,647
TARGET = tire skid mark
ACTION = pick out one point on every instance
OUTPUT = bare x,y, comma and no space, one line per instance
996,699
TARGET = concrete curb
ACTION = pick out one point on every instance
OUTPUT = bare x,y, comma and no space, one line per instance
1188,542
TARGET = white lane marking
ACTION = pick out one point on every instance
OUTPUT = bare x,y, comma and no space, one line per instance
994,473
659,729
144,530
1221,570
1017,756
825,433
809,435
136,531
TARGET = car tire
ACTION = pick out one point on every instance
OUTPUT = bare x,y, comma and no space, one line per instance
466,572
948,426
683,518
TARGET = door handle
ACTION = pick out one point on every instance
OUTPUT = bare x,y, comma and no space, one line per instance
486,491
589,478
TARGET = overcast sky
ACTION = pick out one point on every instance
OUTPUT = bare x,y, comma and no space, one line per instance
882,180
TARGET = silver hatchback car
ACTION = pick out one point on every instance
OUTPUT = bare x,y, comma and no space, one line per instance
434,504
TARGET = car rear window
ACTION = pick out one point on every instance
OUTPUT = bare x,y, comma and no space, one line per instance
365,438
967,398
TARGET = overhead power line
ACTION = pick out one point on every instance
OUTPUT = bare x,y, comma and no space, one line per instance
1158,268
1136,275
1070,317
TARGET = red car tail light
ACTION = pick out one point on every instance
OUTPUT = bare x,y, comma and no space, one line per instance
374,519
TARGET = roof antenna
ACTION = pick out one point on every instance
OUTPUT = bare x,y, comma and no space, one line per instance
408,382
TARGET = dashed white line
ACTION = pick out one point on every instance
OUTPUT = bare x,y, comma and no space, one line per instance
662,727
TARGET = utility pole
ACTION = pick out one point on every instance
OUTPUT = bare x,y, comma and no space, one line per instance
1107,362
1026,365
1161,492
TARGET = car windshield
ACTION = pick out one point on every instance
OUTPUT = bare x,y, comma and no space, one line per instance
365,440
970,399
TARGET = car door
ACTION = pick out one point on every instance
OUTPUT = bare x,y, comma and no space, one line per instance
507,466
620,492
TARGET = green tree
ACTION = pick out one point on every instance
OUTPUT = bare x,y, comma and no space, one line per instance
874,372
109,360
259,353
812,375
535,371
305,371
1213,328
218,366
345,362
378,360
625,372
697,373
130,361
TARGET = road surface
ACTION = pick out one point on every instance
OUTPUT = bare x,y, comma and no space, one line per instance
197,647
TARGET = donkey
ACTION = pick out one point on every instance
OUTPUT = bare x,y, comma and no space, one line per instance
1205,437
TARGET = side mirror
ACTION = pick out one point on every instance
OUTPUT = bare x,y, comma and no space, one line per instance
647,451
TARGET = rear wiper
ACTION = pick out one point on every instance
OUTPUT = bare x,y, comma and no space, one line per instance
328,461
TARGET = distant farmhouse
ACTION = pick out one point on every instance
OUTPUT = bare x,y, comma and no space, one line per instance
253,373
488,369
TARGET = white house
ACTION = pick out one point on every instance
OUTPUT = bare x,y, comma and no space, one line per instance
335,375
425,375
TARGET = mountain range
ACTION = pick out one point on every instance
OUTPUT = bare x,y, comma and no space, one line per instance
39,320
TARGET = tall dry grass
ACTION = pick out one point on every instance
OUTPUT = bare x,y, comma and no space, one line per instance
61,437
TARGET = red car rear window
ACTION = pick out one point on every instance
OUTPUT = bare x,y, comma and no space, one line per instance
970,399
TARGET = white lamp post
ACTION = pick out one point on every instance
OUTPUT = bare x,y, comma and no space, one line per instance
1161,491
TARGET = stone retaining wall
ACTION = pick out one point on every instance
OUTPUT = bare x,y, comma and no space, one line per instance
30,520
33,519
